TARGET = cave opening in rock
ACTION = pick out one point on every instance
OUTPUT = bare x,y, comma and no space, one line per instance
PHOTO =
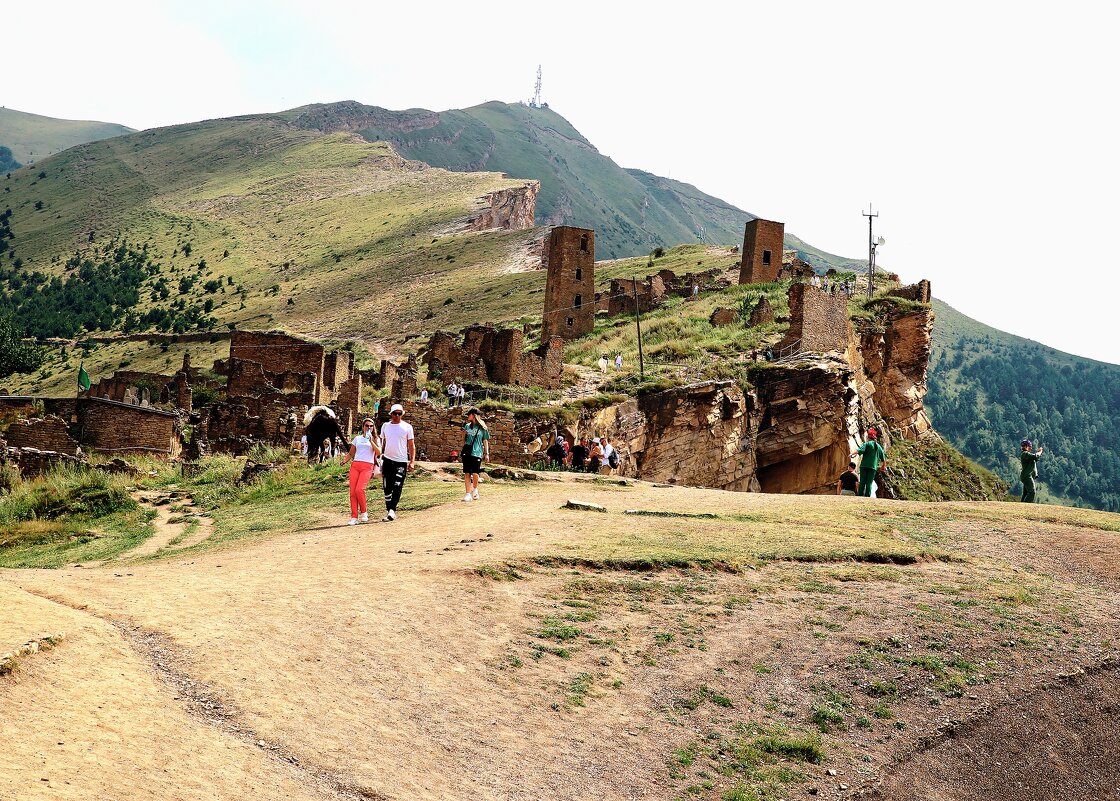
814,472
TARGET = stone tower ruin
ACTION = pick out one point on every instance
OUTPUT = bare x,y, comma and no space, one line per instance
569,294
763,245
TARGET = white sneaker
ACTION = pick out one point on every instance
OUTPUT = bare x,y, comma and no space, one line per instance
364,518
389,517
353,521
467,498
474,494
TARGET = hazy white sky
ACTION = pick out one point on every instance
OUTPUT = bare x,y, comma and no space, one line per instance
985,133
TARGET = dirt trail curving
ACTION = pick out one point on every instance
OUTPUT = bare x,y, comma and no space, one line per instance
377,662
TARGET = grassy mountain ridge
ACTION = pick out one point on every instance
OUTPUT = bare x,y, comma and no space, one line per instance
33,137
632,211
989,389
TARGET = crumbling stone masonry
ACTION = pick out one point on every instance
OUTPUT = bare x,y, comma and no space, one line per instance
494,355
818,319
919,292
569,295
47,433
762,251
762,313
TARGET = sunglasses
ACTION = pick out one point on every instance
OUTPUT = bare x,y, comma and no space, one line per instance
395,413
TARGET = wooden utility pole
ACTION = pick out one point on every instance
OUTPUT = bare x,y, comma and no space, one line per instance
638,323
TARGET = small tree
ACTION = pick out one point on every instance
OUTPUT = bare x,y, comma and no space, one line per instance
16,356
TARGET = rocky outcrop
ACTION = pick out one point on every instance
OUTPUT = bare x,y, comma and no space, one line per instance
511,209
894,350
698,435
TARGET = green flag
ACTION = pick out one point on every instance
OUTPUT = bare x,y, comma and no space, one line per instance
83,378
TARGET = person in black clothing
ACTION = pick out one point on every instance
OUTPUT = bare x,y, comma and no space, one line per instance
848,481
580,452
556,452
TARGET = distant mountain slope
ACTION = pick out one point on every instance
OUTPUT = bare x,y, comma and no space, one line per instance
32,137
632,211
989,389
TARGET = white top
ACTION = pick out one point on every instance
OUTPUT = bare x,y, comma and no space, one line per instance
423,394
363,448
303,444
608,449
396,437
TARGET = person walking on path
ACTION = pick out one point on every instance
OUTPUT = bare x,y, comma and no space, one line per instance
462,396
603,363
452,394
364,453
872,457
476,450
848,483
1028,472
398,444
618,361
424,395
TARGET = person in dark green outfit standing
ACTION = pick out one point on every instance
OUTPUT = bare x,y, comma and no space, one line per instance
872,457
1029,470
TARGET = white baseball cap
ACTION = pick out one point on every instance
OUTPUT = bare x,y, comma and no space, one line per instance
396,408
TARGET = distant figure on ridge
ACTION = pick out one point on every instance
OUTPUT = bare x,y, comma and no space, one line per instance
1029,470
872,457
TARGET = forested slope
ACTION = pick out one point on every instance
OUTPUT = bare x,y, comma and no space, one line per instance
989,389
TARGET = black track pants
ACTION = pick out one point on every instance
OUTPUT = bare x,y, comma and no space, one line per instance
394,473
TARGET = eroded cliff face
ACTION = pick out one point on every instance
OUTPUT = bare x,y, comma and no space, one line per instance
794,431
511,209
895,355
698,435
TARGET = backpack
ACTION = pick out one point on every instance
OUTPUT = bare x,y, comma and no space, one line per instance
612,460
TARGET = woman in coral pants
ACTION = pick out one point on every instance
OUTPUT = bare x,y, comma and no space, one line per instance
364,453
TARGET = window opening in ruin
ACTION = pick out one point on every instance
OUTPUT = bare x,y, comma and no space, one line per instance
571,322
766,257
579,273
583,243
579,302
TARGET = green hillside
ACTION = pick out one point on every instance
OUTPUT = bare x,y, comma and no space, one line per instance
989,389
631,211
33,137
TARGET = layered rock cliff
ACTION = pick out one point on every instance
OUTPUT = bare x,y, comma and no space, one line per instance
793,430
512,209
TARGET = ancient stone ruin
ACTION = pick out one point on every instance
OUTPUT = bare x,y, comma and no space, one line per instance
494,355
763,248
569,294
626,294
818,321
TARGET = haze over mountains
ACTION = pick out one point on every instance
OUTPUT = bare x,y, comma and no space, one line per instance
283,219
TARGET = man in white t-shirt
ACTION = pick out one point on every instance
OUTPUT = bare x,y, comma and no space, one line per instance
398,446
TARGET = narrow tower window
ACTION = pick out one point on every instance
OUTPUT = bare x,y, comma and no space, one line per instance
766,257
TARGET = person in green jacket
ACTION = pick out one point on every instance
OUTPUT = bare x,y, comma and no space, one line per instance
872,456
1028,472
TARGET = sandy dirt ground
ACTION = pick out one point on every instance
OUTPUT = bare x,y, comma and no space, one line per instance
376,662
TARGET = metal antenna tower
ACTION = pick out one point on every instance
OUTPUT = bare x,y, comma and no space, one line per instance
871,247
536,102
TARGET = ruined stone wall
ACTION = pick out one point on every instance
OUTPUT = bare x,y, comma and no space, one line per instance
48,433
919,292
697,435
120,427
282,353
626,293
337,369
249,378
762,313
350,395
763,248
569,296
818,319
439,431
543,366
509,209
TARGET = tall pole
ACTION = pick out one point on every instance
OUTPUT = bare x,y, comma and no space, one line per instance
870,250
638,323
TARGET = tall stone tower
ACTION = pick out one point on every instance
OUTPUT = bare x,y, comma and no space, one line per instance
763,243
569,293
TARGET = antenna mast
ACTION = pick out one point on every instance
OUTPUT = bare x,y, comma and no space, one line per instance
536,102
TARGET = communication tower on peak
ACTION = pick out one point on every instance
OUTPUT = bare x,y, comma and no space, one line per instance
536,101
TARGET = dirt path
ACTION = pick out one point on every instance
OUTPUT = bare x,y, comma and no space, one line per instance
178,524
376,661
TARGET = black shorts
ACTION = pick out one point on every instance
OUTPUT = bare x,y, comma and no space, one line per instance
472,464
